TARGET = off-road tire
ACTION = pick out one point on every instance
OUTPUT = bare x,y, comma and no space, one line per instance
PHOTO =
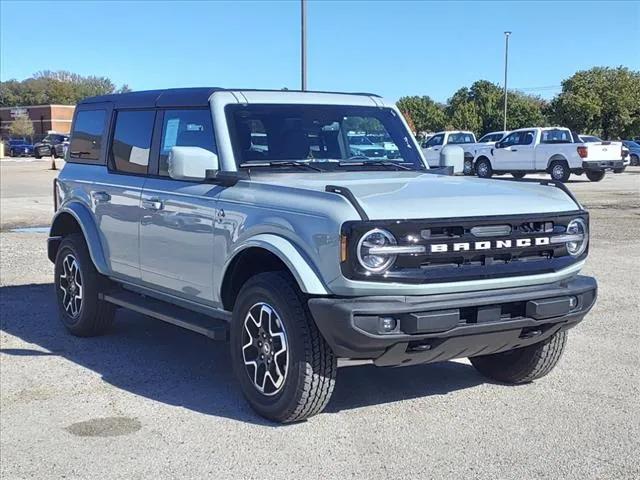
518,175
95,316
312,366
483,168
595,176
559,171
525,364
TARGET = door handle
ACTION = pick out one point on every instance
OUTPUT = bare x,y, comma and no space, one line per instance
101,197
152,204
514,149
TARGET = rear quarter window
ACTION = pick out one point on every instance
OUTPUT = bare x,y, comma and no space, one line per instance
87,135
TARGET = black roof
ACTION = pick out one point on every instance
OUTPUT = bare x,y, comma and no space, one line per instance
174,97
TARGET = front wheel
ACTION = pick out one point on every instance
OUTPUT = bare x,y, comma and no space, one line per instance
285,368
635,160
595,176
525,364
483,168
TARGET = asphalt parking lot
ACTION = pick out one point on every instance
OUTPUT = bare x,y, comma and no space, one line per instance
152,401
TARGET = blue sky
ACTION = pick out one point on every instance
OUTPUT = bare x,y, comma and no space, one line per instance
391,48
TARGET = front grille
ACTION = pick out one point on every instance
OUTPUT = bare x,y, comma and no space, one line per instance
454,253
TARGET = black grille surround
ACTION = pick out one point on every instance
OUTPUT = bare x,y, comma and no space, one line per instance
472,264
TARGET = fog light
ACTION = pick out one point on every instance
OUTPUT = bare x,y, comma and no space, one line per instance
573,302
388,324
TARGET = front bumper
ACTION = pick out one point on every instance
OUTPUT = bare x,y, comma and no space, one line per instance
441,327
599,166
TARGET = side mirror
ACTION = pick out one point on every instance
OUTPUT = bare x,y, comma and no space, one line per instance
498,145
191,163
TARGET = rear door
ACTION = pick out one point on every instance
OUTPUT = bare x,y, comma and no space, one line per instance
117,202
176,228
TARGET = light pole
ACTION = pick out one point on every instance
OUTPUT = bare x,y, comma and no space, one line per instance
506,63
303,44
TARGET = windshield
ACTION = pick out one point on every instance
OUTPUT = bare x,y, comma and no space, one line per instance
457,138
325,137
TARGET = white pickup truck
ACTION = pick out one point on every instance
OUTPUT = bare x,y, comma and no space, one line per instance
554,150
432,147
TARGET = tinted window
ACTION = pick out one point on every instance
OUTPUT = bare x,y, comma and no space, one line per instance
457,138
185,128
132,141
556,136
86,138
434,141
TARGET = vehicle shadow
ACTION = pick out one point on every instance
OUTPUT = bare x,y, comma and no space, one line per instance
178,367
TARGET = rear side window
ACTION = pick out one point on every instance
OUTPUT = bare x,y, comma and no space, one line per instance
185,128
86,138
132,141
556,136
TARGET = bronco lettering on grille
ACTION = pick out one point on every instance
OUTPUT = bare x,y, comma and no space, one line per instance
488,245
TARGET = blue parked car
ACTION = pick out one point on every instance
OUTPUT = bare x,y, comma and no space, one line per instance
19,147
634,151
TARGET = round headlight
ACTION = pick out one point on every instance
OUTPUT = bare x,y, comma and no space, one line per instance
577,226
376,238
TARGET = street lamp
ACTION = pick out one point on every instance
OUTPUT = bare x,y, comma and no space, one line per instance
506,62
303,44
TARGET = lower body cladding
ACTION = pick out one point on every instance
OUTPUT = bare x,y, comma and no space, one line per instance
408,330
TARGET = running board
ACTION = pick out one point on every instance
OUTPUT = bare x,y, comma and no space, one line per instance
181,317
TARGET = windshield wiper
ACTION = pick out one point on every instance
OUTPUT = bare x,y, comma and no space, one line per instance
281,163
384,163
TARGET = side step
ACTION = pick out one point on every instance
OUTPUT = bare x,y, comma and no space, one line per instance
194,321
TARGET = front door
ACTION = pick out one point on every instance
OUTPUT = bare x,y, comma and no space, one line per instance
176,228
515,152
431,150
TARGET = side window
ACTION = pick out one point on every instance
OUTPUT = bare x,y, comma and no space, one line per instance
86,138
527,138
186,128
132,141
434,141
511,139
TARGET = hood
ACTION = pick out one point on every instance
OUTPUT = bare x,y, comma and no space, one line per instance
415,195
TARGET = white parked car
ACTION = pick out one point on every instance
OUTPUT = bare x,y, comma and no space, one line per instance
487,140
432,147
554,150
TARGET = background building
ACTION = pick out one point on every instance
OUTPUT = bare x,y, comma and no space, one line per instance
45,118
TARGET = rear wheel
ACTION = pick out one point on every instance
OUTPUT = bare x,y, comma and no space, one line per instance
635,160
78,285
483,168
619,170
559,171
285,368
524,364
595,176
518,175
37,154
468,167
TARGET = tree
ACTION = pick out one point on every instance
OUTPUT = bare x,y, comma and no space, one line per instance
426,115
602,101
21,126
59,87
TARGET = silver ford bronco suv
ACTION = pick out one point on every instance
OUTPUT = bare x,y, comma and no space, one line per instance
246,215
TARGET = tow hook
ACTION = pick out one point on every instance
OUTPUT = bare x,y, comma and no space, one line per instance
530,333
